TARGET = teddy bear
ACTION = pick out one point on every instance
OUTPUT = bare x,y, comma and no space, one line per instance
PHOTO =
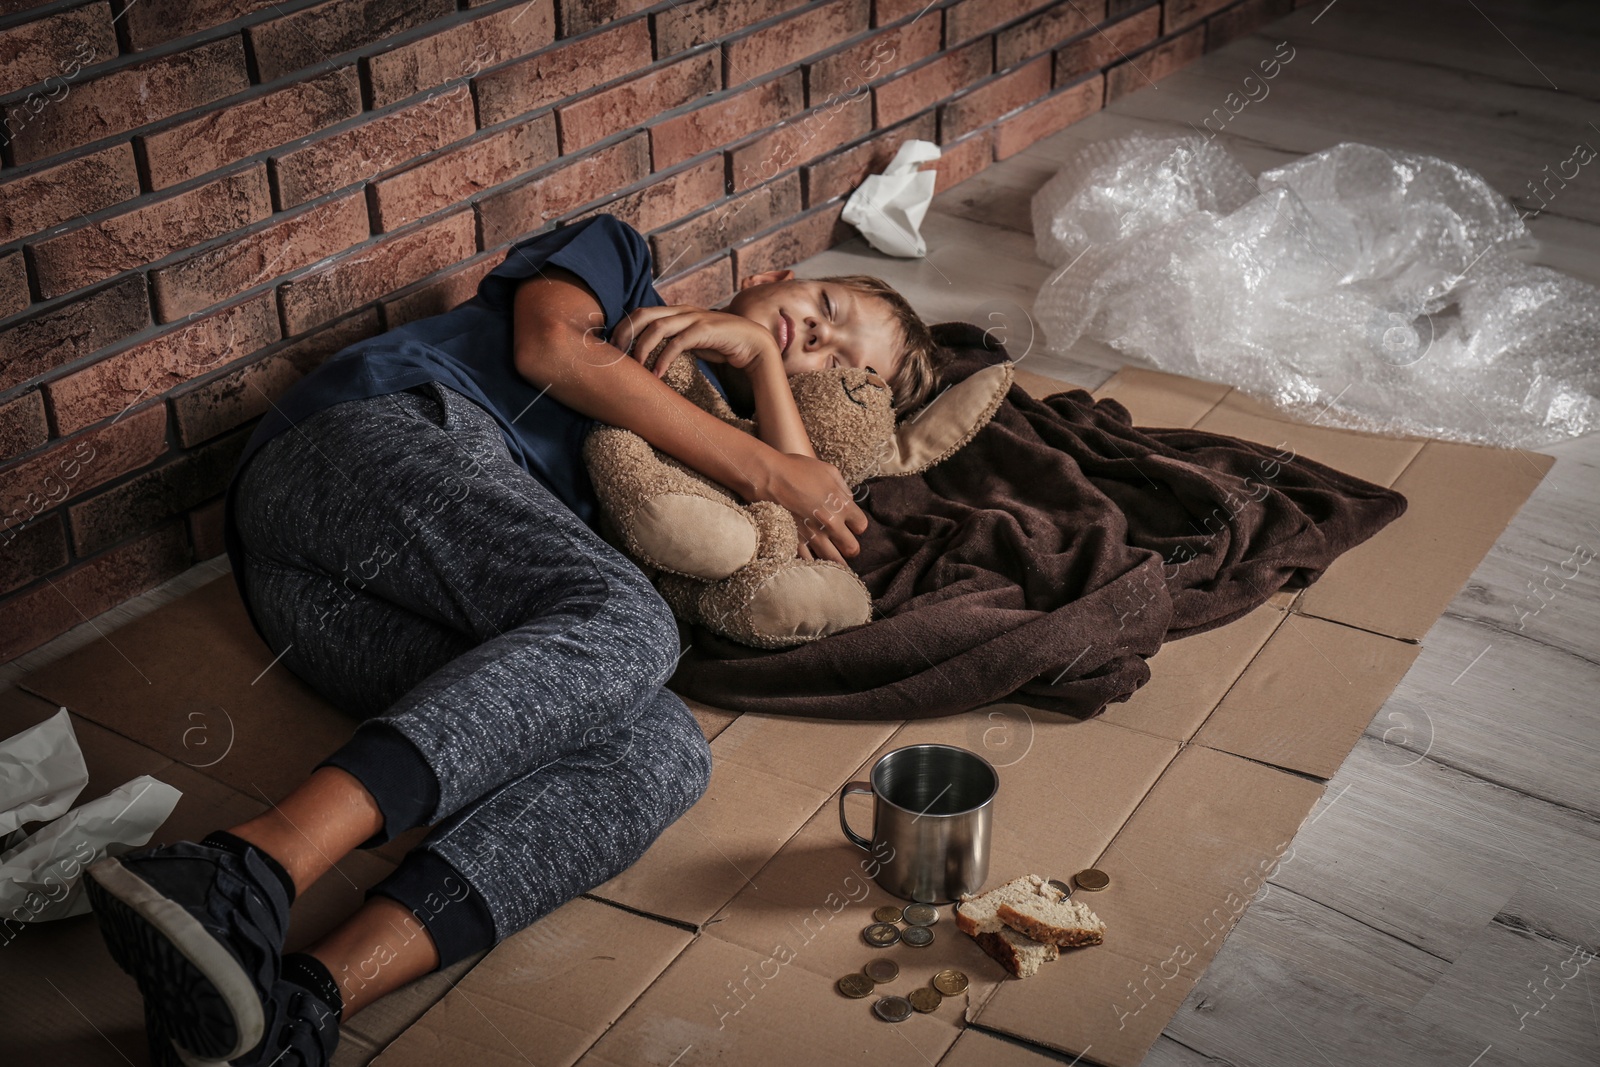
732,566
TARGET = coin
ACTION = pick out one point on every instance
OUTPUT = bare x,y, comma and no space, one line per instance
882,969
1059,884
950,982
855,985
924,999
921,914
1092,879
881,934
892,1009
886,914
917,936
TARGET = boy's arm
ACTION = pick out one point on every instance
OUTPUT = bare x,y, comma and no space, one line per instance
777,418
556,322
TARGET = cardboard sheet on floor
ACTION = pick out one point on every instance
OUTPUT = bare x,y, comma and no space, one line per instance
542,996
1180,793
1459,499
1182,871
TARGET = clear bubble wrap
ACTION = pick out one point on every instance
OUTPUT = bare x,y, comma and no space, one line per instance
1365,287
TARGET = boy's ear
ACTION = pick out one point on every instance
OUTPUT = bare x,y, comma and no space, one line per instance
766,277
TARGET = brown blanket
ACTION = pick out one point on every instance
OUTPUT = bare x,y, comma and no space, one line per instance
1047,559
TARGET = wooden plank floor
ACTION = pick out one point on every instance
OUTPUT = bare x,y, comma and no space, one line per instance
1439,905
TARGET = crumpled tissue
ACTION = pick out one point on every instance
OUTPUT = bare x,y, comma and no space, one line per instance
41,774
888,208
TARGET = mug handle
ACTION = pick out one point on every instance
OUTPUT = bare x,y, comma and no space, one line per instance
853,787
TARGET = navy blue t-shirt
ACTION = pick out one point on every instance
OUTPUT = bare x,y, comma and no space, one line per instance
469,349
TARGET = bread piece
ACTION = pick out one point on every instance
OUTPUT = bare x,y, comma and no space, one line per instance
1059,920
1032,906
1017,953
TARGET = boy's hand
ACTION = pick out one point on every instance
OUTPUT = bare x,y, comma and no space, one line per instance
720,336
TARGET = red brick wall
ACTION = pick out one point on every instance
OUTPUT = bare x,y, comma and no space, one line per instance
200,200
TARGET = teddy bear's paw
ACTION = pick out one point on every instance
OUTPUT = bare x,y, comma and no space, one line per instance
806,600
698,536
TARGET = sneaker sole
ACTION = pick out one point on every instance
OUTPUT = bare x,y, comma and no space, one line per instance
206,1001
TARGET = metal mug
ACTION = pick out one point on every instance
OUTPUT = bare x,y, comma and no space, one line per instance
933,808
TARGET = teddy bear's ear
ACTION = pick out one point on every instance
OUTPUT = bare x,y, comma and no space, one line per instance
948,422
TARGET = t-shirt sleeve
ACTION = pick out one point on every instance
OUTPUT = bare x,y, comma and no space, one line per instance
606,252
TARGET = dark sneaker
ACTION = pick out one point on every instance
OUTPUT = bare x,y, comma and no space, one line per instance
301,1031
201,930
162,1054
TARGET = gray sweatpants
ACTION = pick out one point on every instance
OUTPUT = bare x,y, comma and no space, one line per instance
507,662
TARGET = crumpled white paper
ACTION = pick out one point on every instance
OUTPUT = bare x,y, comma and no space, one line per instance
41,774
888,208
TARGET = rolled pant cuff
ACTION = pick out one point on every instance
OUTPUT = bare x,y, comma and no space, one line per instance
391,768
455,915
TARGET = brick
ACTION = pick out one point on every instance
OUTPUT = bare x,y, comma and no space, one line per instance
794,242
220,404
134,96
310,350
23,426
887,11
206,532
843,172
1045,31
45,340
359,153
676,196
565,70
580,16
1236,22
809,137
145,501
37,50
707,287
225,403
714,231
152,22
1180,14
13,284
526,208
459,51
72,467
453,176
122,242
26,552
848,70
919,89
697,22
1055,112
313,34
229,134
595,116
816,29
961,160
365,274
715,125
1096,51
1154,64
441,294
286,244
67,191
154,366
966,20
981,106
89,589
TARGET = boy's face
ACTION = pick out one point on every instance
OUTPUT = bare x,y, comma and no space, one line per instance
820,324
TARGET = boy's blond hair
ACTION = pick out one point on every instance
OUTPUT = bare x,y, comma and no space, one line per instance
920,354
